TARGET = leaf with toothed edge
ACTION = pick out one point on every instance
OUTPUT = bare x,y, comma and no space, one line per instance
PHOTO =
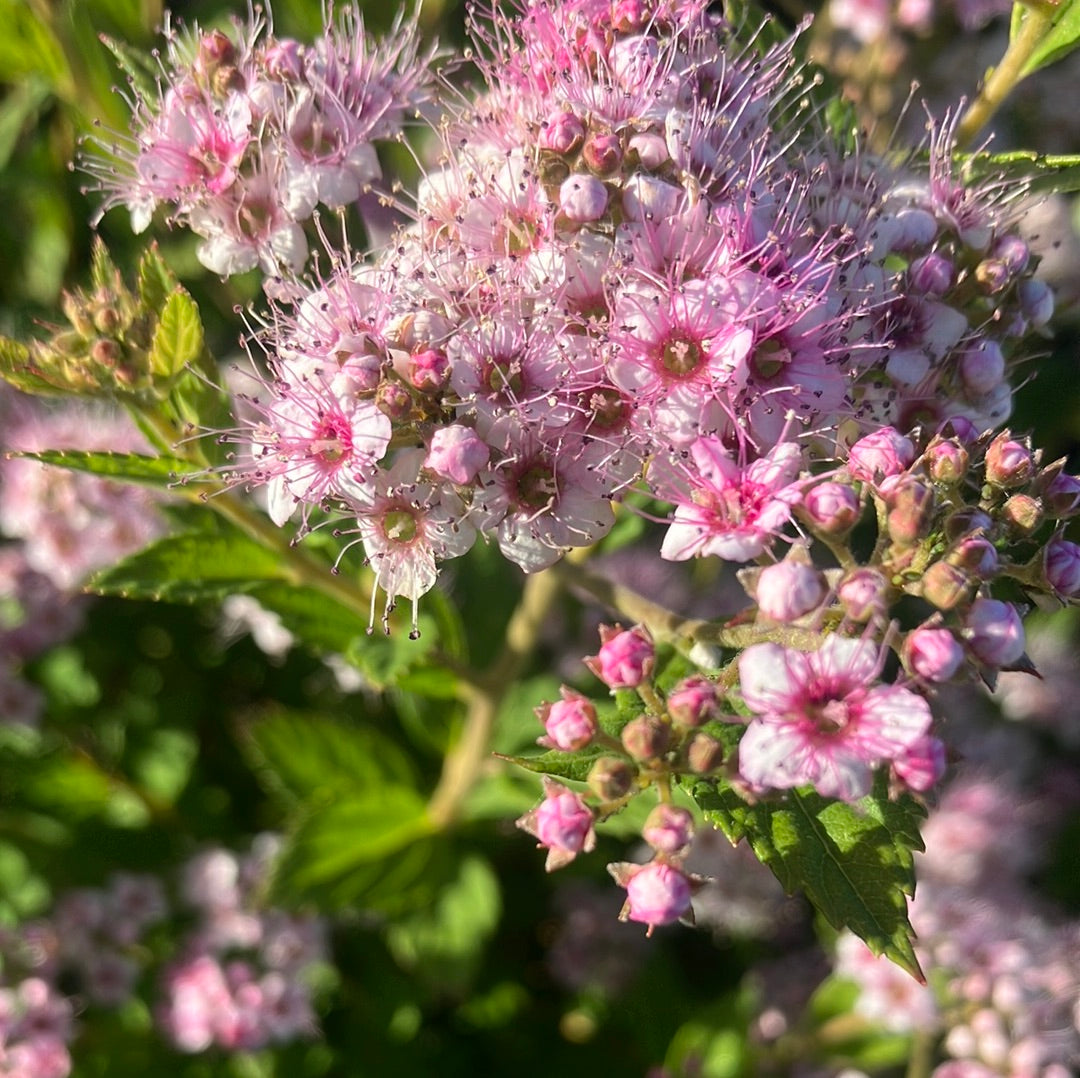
853,861
162,472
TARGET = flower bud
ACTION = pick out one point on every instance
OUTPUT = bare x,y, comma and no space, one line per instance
993,275
994,632
668,829
625,658
647,198
932,274
457,453
922,765
630,15
611,778
651,150
563,133
1009,463
946,586
933,654
562,822
393,399
946,461
646,737
862,594
428,370
692,702
976,555
704,754
602,154
1036,301
582,198
570,723
917,229
656,893
1013,252
788,590
982,366
968,522
1022,514
831,508
1061,564
877,456
912,511
1062,496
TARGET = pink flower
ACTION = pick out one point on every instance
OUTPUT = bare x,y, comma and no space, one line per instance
732,512
821,720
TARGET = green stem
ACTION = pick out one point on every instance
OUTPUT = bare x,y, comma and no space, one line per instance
1001,81
485,696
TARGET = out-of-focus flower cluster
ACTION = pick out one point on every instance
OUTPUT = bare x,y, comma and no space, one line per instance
240,978
242,136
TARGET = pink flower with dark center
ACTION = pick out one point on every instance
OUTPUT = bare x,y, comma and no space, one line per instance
730,511
821,720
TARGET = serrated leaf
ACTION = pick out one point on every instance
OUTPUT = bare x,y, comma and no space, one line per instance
19,370
346,852
1055,173
1059,40
124,467
104,276
190,568
178,336
319,622
155,281
316,759
853,861
136,65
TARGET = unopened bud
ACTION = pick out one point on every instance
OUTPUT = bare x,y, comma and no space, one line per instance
946,461
995,633
862,594
982,366
1013,252
625,658
932,274
563,133
968,522
1036,301
393,399
1061,563
877,456
428,370
611,778
1022,514
457,453
603,154
693,701
1062,496
788,590
945,585
582,198
976,555
570,723
1009,463
704,754
105,352
646,737
933,654
912,511
922,765
668,829
831,508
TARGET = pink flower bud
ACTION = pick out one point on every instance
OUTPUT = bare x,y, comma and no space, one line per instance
428,370
1062,496
982,366
1008,463
877,456
946,460
959,427
831,507
1061,563
1021,513
393,399
582,198
993,275
457,453
570,723
968,522
704,754
651,149
646,198
862,594
562,822
917,229
603,154
933,654
1013,252
668,829
630,15
932,274
994,632
625,658
563,133
975,554
922,765
912,510
656,893
693,701
788,590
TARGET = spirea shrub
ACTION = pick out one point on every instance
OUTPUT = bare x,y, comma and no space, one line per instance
650,287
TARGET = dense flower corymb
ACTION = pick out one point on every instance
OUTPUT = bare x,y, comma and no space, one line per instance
820,720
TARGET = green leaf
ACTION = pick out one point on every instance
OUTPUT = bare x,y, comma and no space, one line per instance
368,850
19,370
191,567
126,467
384,657
853,861
17,110
444,942
316,759
136,65
178,336
156,282
319,622
1061,38
1055,173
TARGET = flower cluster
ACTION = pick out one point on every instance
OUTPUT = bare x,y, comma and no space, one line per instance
244,135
